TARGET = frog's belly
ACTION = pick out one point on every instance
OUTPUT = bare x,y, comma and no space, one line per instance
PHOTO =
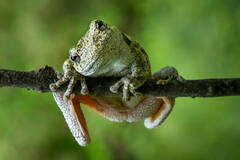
114,68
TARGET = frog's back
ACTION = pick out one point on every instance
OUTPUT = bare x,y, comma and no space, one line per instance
141,55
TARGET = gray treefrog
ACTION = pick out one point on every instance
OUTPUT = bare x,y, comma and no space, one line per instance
105,51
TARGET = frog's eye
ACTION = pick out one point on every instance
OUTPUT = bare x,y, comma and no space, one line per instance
74,55
75,58
100,25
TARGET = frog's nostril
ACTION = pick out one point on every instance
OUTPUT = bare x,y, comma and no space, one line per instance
99,24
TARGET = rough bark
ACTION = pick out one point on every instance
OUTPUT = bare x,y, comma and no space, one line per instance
39,80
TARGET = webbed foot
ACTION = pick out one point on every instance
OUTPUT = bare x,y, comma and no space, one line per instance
71,76
166,75
129,87
73,79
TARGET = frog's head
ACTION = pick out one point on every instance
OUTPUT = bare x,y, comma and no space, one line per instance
101,38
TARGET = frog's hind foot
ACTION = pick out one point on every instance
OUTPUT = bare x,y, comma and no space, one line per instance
166,75
162,113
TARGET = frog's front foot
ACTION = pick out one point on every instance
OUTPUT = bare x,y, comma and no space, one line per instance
72,77
72,81
166,75
129,87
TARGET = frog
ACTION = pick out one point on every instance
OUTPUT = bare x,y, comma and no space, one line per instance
105,51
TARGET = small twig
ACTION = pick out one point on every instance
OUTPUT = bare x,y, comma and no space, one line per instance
39,80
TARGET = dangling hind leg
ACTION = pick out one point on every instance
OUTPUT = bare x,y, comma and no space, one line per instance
163,111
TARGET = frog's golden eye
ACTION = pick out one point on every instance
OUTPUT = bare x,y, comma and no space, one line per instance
100,25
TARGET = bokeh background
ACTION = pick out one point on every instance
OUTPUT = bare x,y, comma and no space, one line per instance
200,38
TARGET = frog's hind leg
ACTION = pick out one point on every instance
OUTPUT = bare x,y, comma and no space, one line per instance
163,111
106,108
74,117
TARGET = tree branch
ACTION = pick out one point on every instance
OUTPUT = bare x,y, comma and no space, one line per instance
39,80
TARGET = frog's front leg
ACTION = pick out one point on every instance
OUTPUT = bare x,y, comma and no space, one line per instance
132,81
71,75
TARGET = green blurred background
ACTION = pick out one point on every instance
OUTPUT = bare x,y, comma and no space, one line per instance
200,38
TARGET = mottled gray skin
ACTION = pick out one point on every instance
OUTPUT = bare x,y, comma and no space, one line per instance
105,51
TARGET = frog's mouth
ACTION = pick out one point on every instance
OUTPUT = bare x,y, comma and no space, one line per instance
88,68
93,68
92,64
